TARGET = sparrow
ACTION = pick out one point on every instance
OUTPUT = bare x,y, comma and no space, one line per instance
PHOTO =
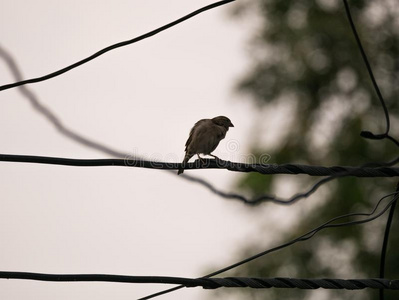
205,137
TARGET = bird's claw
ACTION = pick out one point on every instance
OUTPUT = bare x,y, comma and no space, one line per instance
201,160
215,157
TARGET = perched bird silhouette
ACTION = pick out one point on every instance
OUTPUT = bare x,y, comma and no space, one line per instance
205,137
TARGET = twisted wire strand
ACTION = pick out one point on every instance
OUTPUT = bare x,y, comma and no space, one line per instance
129,162
214,283
370,135
309,283
325,283
332,223
290,169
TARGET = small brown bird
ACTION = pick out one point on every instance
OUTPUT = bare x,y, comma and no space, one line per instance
205,137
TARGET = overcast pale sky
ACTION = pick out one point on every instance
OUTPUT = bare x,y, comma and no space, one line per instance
142,99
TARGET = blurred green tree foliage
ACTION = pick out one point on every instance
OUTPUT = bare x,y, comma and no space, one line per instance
307,70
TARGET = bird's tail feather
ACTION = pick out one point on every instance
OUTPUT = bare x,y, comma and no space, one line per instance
185,160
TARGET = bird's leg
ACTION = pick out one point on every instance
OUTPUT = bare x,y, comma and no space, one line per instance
201,159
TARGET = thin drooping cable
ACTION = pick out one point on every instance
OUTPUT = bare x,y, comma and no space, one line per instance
114,46
318,184
387,115
214,283
304,237
370,71
77,137
385,243
395,141
338,172
311,233
321,182
365,134
49,115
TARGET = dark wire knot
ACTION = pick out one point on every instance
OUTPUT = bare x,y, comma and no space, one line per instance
372,136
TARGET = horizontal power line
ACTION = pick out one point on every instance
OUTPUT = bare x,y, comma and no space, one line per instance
214,283
307,284
291,169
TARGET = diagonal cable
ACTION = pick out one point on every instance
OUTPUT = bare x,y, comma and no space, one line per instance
79,138
329,224
114,46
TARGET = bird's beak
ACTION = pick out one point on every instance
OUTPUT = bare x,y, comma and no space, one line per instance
231,125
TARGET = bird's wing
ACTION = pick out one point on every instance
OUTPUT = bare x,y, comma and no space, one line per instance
195,127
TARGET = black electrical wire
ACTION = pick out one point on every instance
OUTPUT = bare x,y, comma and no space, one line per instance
370,135
385,243
251,168
53,119
290,169
114,46
188,282
370,71
366,170
214,283
304,237
77,137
